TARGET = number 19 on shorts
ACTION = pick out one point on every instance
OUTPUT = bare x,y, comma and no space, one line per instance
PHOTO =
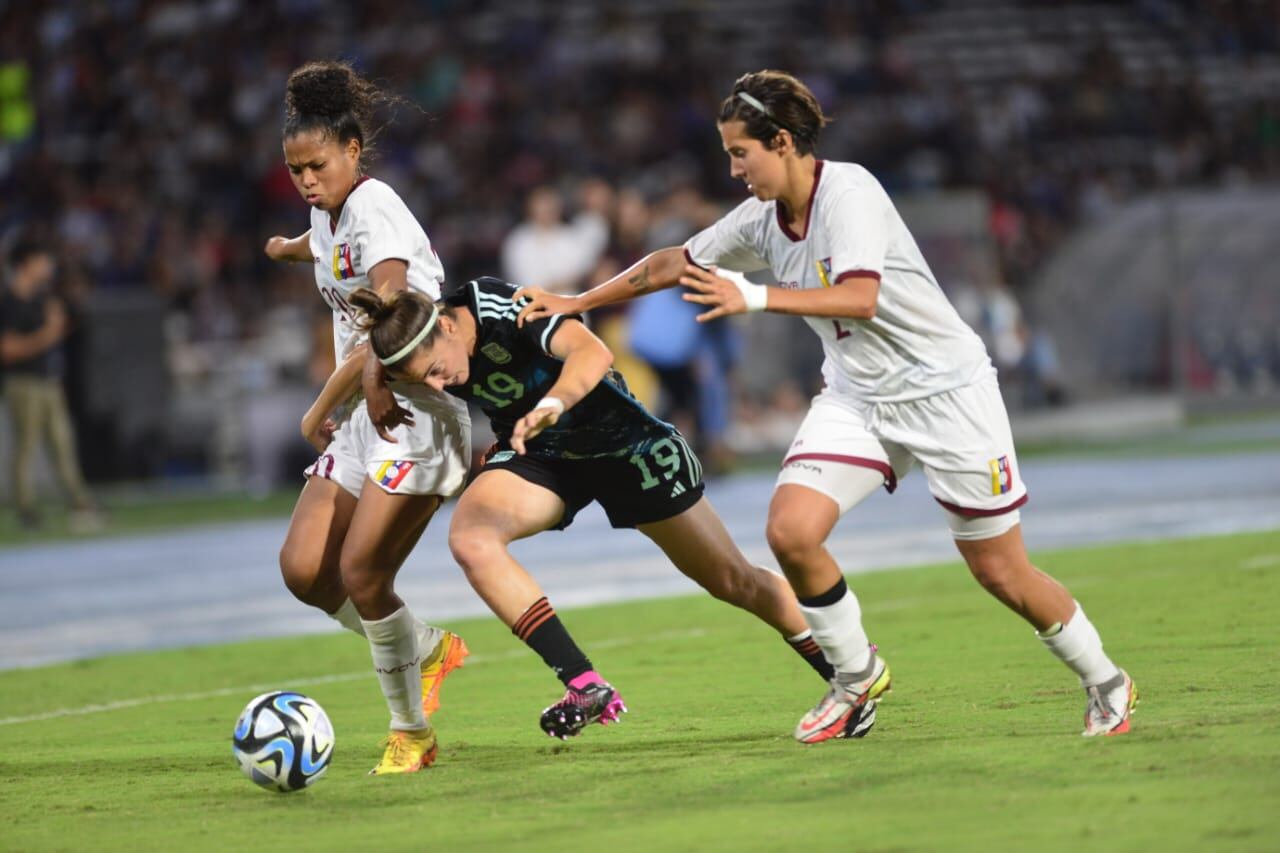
663,460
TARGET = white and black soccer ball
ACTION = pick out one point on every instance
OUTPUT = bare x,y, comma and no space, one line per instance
283,741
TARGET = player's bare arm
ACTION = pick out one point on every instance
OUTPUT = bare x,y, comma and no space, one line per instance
854,298
290,249
385,413
586,361
317,428
656,271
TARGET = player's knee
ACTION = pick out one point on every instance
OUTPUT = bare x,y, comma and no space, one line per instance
364,584
474,548
299,570
790,539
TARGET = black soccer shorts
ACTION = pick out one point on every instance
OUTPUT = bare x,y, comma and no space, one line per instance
651,481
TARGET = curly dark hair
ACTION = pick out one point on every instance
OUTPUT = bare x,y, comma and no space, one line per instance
330,97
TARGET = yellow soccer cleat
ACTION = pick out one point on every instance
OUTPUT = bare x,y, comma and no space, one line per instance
446,657
407,752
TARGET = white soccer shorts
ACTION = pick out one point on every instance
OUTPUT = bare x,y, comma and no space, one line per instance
961,438
432,457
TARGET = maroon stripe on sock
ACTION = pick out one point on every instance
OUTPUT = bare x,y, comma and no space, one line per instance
807,647
532,611
538,623
538,612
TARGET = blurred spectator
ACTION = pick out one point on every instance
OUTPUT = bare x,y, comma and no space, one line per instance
550,253
693,361
665,333
33,325
721,349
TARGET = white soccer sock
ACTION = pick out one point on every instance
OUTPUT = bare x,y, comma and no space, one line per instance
837,629
396,659
348,618
1080,648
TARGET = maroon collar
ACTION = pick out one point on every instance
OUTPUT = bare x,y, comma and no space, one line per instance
808,213
333,220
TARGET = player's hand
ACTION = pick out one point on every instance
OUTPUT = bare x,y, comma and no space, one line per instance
529,427
277,248
385,412
319,437
707,288
297,250
542,304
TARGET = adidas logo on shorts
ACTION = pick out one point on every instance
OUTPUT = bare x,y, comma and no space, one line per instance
678,490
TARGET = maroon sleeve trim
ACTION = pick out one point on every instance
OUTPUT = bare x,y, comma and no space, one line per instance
890,478
982,513
688,257
857,274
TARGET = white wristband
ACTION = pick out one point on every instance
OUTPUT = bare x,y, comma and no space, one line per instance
551,403
755,295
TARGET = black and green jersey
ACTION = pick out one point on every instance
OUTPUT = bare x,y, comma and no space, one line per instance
512,368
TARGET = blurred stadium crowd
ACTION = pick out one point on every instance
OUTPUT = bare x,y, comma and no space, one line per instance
556,142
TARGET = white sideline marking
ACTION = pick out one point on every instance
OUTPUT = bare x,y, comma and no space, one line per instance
1262,561
305,682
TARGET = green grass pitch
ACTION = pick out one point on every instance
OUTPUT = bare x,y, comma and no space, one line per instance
977,748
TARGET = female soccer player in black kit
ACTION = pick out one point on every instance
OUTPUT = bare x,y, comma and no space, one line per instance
568,433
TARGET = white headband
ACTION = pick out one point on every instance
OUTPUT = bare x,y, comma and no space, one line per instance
417,339
751,99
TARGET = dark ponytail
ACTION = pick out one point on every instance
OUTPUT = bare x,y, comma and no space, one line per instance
781,102
396,320
330,97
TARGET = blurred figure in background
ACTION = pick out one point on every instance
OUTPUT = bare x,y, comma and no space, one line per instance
693,361
33,325
558,254
665,333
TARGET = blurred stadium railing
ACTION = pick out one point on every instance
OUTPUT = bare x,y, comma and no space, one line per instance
1177,292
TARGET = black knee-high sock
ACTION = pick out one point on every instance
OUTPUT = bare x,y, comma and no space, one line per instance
808,649
540,629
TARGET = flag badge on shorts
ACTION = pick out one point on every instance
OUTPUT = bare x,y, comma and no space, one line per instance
1001,475
391,474
343,266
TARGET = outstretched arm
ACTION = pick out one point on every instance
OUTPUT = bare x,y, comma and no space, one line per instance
317,429
586,361
290,249
854,298
656,271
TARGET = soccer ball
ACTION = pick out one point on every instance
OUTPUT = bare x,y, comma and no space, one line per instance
283,741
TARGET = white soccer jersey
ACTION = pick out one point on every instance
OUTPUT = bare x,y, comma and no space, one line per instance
915,346
375,225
